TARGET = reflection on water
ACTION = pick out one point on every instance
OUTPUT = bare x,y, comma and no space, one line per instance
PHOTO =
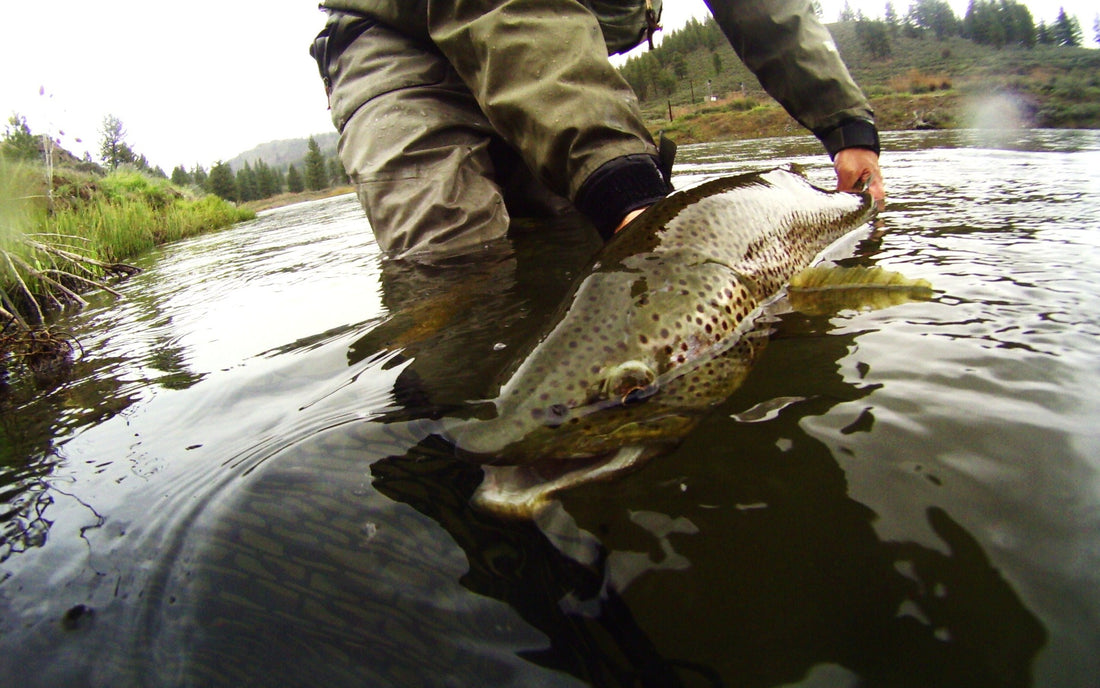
241,484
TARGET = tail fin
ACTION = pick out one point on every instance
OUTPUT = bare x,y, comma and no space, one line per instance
825,289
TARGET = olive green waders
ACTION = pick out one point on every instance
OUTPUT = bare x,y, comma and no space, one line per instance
417,148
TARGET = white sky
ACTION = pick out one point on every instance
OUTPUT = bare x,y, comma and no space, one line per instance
202,81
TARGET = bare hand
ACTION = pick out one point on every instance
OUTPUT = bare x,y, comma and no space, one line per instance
857,169
630,216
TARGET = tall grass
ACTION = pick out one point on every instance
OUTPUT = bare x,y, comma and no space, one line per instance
57,242
131,213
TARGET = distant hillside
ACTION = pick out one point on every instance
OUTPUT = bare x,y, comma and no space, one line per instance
921,82
285,152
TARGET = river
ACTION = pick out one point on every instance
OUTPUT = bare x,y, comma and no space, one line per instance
240,485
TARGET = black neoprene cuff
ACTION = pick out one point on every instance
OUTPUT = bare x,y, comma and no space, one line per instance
619,186
852,133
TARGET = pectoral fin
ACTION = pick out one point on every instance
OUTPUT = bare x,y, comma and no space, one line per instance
824,289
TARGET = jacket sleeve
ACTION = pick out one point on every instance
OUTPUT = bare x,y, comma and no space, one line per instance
793,55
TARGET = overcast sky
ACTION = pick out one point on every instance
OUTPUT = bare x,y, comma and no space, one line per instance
201,81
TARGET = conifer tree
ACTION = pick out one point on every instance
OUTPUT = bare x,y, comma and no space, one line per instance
247,189
294,180
337,175
199,176
316,174
113,149
891,19
266,182
180,176
221,182
1066,30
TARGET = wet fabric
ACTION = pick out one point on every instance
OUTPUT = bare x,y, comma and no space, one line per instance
441,104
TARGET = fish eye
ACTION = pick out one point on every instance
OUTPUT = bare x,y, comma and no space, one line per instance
556,414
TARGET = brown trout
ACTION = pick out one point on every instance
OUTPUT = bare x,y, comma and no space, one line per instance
662,326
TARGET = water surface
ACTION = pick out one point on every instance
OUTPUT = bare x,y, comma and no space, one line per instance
240,483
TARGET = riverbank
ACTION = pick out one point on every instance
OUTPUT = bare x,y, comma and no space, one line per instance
290,198
731,120
64,232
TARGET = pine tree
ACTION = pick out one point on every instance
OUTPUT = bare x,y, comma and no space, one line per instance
198,174
266,180
113,149
221,182
247,189
316,176
180,176
891,19
1066,30
336,173
294,180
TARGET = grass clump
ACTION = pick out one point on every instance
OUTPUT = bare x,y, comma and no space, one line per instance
67,233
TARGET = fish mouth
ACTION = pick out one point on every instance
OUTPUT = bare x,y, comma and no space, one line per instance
523,491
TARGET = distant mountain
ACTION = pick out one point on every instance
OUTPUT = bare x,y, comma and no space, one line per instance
285,152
